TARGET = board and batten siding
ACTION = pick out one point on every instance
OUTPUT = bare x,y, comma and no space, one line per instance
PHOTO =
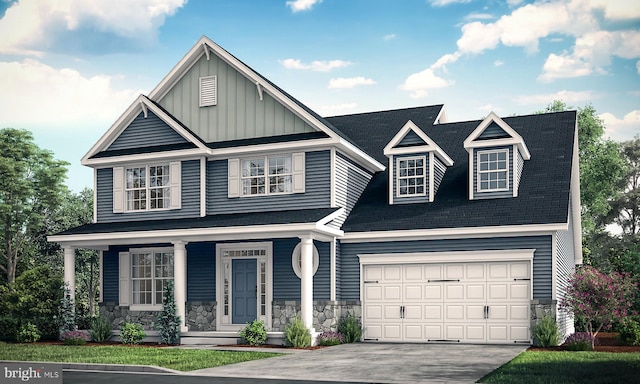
190,187
286,285
565,265
201,271
397,199
476,186
350,181
146,132
317,189
239,112
542,268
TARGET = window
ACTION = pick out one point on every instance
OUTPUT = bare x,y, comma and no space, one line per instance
411,176
493,170
147,187
267,175
150,271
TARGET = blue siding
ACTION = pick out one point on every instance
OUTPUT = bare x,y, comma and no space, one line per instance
492,195
317,190
190,197
338,271
146,132
286,285
493,131
397,199
410,139
350,264
350,182
201,271
110,279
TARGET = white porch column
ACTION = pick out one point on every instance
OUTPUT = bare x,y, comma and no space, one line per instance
306,281
70,270
180,280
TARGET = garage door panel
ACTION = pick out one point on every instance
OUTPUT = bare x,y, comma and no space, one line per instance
392,274
433,312
454,291
453,271
454,312
373,331
433,292
392,312
453,331
475,312
519,291
519,333
433,332
498,312
372,293
373,272
475,333
520,270
392,332
413,292
373,312
475,291
433,272
475,272
498,271
413,312
498,333
392,292
413,332
413,273
519,312
498,291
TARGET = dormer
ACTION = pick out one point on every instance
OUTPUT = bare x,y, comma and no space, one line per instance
496,159
416,166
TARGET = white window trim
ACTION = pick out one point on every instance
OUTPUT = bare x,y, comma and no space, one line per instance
295,260
223,323
424,175
132,251
266,175
148,202
478,172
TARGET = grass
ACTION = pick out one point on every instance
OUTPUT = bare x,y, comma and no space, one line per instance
568,367
173,358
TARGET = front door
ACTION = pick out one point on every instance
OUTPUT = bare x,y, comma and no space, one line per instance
244,291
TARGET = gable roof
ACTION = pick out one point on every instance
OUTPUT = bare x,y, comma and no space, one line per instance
474,139
142,105
543,196
427,145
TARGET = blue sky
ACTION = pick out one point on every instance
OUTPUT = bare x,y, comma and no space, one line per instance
69,68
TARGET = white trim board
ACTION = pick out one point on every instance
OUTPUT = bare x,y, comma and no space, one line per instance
447,257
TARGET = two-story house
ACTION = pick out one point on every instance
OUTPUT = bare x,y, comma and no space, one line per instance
258,208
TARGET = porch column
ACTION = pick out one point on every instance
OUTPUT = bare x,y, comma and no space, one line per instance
70,270
180,280
306,281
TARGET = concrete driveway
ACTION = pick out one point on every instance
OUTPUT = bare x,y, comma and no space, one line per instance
378,363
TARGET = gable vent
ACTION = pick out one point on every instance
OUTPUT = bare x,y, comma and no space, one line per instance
208,91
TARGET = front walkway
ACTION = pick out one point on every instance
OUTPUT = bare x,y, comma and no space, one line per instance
379,363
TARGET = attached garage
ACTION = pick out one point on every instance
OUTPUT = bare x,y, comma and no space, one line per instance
447,297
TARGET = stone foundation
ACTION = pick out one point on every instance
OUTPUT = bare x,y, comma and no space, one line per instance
326,314
117,316
201,315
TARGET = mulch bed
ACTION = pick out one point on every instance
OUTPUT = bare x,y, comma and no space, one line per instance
605,342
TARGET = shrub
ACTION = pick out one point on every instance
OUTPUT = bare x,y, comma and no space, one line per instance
100,329
77,337
28,333
350,328
546,333
9,327
66,312
580,341
330,338
168,322
132,333
254,333
630,331
296,334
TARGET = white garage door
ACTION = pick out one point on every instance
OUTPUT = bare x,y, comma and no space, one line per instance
456,302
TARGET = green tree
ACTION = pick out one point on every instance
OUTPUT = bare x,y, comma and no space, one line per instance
31,188
626,207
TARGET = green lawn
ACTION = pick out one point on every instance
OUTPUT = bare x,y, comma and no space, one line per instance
173,358
568,367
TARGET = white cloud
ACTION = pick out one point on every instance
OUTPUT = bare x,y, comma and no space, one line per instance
419,83
34,93
337,109
342,82
478,16
478,37
621,129
487,108
566,96
389,37
592,53
442,3
498,63
616,9
513,3
36,26
318,66
302,5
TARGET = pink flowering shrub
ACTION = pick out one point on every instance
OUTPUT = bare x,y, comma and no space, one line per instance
600,299
580,341
79,337
330,338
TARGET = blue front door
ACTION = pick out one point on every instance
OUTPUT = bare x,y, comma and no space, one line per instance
244,290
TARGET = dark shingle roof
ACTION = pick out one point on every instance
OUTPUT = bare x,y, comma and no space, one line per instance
543,195
215,221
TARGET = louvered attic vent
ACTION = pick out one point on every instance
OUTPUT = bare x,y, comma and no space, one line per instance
208,91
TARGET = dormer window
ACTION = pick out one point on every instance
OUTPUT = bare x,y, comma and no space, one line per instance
493,170
411,176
